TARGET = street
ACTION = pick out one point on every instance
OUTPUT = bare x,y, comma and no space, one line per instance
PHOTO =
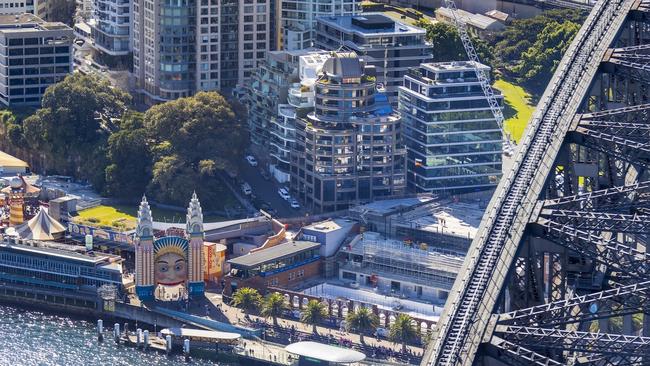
266,191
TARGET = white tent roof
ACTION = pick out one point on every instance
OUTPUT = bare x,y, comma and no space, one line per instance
325,352
41,227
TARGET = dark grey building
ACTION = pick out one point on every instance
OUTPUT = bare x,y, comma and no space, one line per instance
391,46
350,148
34,54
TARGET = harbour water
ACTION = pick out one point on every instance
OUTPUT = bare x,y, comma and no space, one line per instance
34,338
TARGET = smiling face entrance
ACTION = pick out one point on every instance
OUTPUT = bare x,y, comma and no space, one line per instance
171,269
170,261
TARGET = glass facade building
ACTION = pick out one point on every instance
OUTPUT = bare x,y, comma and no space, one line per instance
298,19
454,143
392,47
57,269
111,30
349,149
181,47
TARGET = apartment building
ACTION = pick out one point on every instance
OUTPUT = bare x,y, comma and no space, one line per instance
34,54
349,149
454,143
298,19
184,46
280,90
393,47
18,6
111,27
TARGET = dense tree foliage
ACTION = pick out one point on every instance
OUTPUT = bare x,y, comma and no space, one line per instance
313,314
73,124
193,138
129,159
530,49
85,129
538,63
273,306
447,45
403,331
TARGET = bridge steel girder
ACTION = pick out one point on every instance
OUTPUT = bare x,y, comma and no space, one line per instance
600,221
617,256
584,342
631,151
516,355
631,299
639,112
466,324
463,324
630,61
605,198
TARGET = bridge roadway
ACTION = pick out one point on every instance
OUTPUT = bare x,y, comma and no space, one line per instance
463,325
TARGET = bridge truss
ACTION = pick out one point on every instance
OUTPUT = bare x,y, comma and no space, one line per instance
559,271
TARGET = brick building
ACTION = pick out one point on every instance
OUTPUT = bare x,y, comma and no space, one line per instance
284,265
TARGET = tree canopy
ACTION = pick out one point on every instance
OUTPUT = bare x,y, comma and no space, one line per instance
363,320
191,139
85,129
73,125
532,48
447,46
273,305
246,298
402,331
315,312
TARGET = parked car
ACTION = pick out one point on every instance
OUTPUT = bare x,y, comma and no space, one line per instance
246,188
284,194
251,160
294,203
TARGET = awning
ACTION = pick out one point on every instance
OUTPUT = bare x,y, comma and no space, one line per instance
325,352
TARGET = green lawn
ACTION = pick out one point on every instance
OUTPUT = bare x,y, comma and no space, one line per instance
517,108
124,216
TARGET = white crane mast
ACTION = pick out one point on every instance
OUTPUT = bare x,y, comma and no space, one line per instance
482,75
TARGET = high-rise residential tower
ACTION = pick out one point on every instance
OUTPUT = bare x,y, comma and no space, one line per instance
281,90
349,150
454,143
298,19
393,47
111,27
181,47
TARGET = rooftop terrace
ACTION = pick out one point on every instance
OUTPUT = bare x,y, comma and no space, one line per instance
371,24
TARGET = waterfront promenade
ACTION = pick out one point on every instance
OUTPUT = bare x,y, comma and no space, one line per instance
303,331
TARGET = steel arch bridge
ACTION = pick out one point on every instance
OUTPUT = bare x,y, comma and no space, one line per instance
559,272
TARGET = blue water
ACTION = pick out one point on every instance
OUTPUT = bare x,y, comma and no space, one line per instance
35,338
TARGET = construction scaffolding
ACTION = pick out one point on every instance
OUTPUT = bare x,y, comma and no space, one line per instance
417,264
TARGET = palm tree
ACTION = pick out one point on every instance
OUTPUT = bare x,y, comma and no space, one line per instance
273,306
246,298
362,321
314,313
402,331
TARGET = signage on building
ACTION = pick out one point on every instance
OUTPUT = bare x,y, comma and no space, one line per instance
114,236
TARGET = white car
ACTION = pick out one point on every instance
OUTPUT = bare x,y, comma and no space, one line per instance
251,160
294,203
246,188
284,194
